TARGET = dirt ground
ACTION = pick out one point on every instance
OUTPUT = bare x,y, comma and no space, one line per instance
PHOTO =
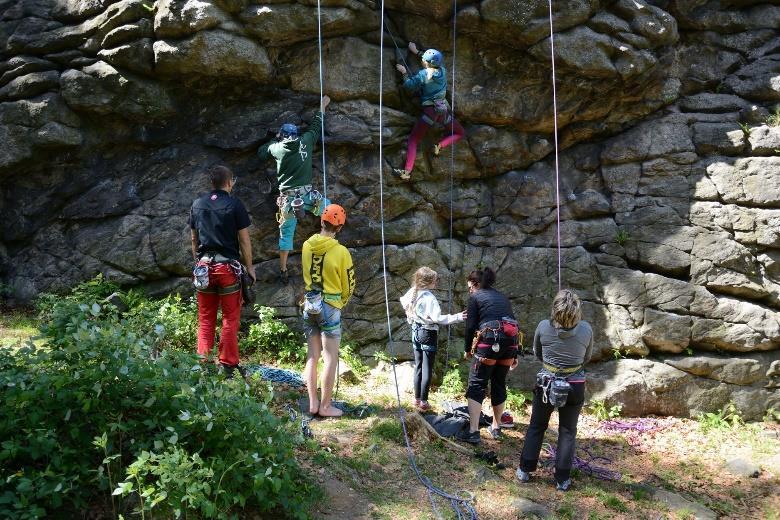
675,470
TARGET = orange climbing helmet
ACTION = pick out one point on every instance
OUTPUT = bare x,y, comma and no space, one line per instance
334,214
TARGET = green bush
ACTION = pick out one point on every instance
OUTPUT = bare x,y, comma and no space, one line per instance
273,339
602,412
92,416
724,419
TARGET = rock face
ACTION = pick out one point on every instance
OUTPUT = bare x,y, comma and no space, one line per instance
669,165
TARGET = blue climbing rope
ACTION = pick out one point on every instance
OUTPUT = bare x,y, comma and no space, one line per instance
463,506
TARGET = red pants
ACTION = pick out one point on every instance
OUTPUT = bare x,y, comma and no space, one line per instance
224,289
421,128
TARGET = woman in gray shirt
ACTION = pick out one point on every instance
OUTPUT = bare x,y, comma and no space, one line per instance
564,344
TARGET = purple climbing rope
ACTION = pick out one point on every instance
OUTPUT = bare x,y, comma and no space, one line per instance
587,466
641,425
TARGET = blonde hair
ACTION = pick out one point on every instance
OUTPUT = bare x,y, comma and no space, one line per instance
424,278
566,309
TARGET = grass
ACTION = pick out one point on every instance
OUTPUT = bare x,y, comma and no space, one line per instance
17,327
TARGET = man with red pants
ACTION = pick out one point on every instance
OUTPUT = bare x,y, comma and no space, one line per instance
220,236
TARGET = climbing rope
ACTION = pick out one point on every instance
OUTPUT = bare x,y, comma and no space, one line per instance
555,122
322,121
276,375
398,51
452,184
587,465
462,506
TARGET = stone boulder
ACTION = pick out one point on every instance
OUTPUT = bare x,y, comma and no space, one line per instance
735,371
30,85
279,25
213,54
102,89
178,19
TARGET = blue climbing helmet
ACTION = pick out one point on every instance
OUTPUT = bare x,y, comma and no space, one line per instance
288,130
433,57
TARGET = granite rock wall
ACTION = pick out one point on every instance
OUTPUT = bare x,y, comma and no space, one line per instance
669,141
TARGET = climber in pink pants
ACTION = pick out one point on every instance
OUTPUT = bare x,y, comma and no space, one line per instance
431,82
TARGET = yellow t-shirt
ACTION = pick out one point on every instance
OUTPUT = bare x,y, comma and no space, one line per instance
327,267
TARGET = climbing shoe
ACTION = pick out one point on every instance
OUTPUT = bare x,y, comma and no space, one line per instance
563,486
522,476
402,174
284,277
466,436
507,421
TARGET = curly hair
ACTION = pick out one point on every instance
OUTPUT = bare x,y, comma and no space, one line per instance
566,309
424,278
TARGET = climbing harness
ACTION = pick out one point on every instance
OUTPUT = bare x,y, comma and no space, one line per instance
462,505
588,465
555,122
289,201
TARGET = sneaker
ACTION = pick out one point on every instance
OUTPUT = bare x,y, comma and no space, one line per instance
466,436
522,476
403,174
495,433
563,486
284,277
416,403
424,406
507,421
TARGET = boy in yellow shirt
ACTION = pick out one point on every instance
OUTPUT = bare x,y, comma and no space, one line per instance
330,281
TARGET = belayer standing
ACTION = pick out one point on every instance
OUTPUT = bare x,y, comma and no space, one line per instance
329,276
563,344
424,314
220,236
293,155
492,340
431,82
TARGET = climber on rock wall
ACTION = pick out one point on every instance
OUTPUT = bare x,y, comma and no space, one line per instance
293,155
431,83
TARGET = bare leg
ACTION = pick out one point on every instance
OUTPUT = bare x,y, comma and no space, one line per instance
283,260
497,411
310,372
475,409
330,354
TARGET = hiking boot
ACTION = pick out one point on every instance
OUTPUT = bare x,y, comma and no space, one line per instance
466,436
507,421
229,370
522,476
563,486
495,433
402,174
284,277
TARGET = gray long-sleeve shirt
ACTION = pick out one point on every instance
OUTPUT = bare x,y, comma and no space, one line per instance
563,347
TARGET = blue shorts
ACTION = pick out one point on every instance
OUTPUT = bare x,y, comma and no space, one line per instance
327,322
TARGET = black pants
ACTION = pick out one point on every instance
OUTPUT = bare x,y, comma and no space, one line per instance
568,415
480,375
423,372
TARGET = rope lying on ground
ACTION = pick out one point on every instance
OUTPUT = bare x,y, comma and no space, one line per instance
640,425
587,466
276,375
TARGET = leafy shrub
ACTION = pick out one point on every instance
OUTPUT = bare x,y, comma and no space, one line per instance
774,117
348,353
91,416
174,320
726,418
453,382
516,401
273,339
602,412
